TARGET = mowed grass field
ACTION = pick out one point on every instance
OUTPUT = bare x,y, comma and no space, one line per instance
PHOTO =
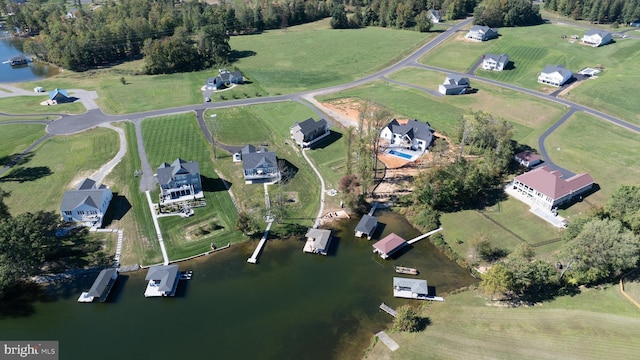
594,324
15,138
56,166
532,48
529,115
167,138
314,55
608,152
31,105
268,124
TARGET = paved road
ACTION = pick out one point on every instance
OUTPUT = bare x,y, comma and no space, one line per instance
69,124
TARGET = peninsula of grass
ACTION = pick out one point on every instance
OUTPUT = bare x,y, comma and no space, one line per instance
31,105
608,152
464,327
129,209
15,138
269,124
525,112
179,136
38,182
26,118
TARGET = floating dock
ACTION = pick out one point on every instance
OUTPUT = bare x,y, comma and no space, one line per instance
384,307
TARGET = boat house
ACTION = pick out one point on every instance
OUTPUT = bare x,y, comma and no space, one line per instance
410,288
367,226
389,245
18,60
163,280
101,286
318,241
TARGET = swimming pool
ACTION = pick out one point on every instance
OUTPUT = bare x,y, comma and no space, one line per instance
400,154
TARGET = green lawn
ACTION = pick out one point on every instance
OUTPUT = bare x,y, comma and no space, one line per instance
608,152
25,118
505,225
167,138
15,138
314,55
595,324
129,209
526,113
57,165
532,48
269,124
31,105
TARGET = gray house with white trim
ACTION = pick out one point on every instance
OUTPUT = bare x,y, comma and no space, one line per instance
259,166
179,181
307,132
414,135
454,85
495,62
87,204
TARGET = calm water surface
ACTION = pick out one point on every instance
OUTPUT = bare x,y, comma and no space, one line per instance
289,305
10,47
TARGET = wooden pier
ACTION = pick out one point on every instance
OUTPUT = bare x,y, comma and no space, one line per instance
254,258
384,307
415,240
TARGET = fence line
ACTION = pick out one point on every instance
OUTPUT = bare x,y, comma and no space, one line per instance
632,300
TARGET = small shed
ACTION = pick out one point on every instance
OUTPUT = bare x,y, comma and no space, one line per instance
59,96
367,226
389,245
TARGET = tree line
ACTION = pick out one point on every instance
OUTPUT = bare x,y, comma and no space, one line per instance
500,13
600,11
171,35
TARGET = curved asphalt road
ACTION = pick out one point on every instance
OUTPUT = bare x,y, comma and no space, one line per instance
70,124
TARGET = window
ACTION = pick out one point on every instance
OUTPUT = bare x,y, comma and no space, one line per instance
67,213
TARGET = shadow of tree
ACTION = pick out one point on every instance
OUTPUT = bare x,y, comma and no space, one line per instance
423,322
15,159
236,55
24,174
18,301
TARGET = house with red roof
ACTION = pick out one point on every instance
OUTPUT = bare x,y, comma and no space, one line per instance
547,189
387,246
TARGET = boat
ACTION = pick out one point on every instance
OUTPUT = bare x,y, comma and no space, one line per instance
18,60
186,275
406,270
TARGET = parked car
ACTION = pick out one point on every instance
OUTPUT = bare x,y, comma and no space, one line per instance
207,99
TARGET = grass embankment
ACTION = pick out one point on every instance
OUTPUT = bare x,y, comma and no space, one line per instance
15,138
532,48
167,138
31,105
269,124
25,118
463,327
40,180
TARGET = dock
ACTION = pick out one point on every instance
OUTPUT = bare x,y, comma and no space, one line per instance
101,286
254,258
415,240
384,307
389,342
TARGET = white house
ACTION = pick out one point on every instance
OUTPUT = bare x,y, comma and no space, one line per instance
596,38
546,189
414,134
481,33
454,85
87,204
554,75
495,62
434,16
528,158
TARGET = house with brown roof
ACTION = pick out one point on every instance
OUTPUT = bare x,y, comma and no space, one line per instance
528,158
546,189
389,245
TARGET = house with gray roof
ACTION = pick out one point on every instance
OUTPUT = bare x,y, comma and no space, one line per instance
318,241
481,33
259,166
163,280
225,78
596,37
413,134
494,61
103,283
307,132
454,85
179,181
554,75
86,204
434,16
367,226
410,288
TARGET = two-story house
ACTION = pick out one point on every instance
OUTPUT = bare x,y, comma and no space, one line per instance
547,189
87,204
179,181
307,132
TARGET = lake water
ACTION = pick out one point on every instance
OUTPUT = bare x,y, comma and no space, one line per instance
10,47
289,305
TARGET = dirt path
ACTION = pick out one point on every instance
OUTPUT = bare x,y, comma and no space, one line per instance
99,175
